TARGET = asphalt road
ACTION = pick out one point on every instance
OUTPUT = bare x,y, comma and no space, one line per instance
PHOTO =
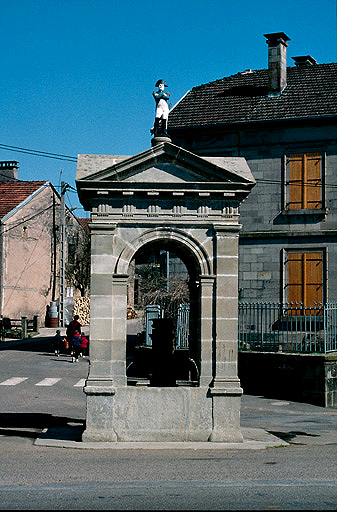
300,476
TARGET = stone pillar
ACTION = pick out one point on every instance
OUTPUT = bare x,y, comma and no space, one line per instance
107,335
206,329
226,390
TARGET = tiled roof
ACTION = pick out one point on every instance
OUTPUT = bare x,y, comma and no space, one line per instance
311,91
12,194
84,223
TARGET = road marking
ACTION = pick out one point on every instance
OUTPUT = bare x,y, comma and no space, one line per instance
47,382
13,381
80,384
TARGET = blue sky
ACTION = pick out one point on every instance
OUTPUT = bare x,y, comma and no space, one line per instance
78,75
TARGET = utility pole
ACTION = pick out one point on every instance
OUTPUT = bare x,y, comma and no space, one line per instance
62,253
54,250
168,271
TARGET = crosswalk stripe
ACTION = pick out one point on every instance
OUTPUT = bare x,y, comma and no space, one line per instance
13,381
80,384
47,382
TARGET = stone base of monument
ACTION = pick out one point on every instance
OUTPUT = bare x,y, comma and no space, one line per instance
163,415
159,139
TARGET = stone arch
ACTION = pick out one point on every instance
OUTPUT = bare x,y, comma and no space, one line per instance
179,237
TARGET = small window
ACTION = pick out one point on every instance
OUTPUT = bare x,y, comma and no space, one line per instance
304,277
71,253
304,182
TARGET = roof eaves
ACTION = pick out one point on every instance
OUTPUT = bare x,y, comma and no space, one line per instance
24,202
250,121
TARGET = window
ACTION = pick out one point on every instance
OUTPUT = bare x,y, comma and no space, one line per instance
304,182
304,276
71,253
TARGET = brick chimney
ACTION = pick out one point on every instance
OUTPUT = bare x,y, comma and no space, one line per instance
277,62
9,171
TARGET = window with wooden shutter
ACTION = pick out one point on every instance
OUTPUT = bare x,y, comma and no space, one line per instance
304,182
305,277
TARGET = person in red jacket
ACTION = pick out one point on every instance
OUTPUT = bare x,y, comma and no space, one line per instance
84,345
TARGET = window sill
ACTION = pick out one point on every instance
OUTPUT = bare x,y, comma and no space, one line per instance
320,212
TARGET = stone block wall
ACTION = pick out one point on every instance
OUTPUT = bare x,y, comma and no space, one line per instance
265,148
309,378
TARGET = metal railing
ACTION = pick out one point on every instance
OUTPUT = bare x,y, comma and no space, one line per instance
288,327
181,314
183,319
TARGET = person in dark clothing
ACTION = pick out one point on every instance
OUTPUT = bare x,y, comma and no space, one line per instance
72,327
77,340
57,342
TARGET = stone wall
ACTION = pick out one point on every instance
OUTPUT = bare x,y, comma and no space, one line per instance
266,229
309,378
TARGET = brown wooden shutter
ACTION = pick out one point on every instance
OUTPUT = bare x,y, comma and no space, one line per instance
313,181
305,277
305,181
296,182
313,289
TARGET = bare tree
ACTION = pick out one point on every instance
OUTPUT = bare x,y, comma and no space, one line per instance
155,289
78,266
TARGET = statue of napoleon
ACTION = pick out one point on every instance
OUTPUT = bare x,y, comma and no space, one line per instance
162,109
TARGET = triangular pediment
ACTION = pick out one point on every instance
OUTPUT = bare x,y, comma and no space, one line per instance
164,172
164,163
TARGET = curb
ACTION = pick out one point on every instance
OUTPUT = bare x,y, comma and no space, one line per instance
254,439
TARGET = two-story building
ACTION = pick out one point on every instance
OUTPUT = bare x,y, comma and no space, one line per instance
283,120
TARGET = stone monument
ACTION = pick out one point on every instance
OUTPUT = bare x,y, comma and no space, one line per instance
164,195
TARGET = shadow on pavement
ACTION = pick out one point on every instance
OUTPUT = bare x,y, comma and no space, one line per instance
289,436
31,345
32,425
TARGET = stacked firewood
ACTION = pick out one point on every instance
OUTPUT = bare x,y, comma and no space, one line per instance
131,313
82,309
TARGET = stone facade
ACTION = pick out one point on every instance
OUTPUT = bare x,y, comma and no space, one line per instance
165,195
268,229
269,116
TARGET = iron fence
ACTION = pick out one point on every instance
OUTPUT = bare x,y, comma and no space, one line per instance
181,315
288,327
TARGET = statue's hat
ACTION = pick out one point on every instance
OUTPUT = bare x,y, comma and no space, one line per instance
161,82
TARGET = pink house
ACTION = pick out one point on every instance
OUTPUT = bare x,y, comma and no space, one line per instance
29,244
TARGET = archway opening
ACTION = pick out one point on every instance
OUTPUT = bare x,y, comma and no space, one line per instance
163,346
